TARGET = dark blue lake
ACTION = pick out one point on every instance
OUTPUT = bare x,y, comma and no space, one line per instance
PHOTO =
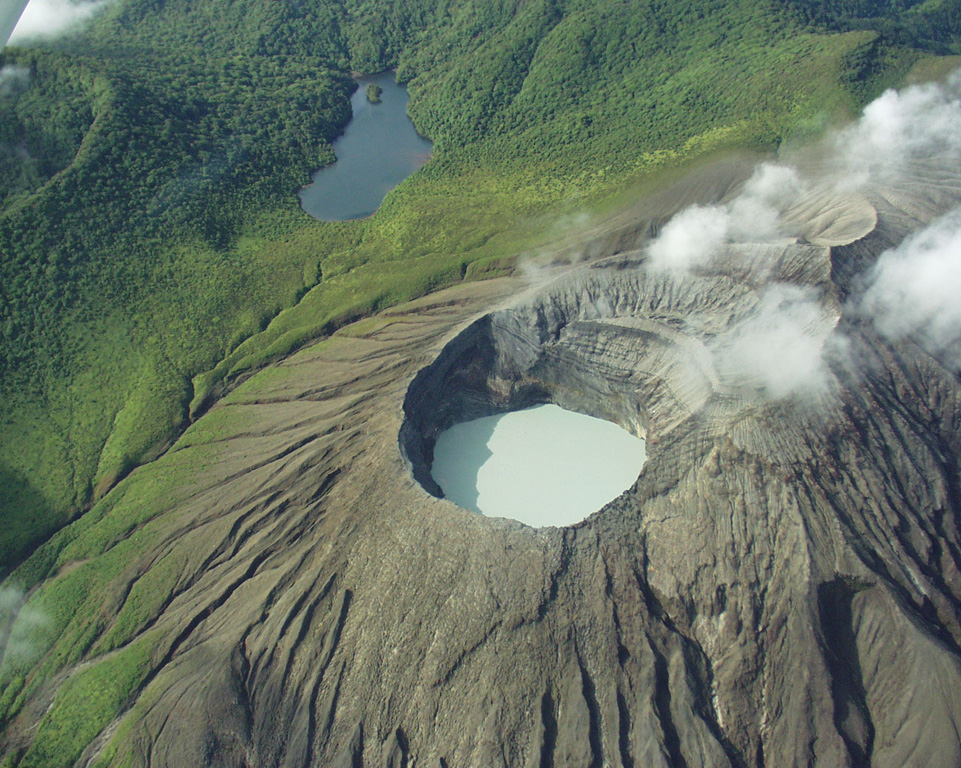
378,149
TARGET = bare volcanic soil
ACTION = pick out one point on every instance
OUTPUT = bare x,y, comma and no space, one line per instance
780,587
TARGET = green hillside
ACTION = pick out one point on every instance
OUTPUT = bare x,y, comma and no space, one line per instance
152,245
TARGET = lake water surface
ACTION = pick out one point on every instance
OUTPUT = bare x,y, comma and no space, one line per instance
542,466
378,149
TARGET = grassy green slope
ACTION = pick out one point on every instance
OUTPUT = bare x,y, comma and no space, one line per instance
152,247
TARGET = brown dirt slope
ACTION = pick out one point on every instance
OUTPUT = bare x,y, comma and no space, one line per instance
781,587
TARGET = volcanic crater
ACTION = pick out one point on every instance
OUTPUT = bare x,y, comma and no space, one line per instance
781,586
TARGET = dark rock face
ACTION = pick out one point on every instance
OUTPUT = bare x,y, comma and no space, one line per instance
781,586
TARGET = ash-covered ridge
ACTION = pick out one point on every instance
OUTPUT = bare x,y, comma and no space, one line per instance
612,341
789,566
780,587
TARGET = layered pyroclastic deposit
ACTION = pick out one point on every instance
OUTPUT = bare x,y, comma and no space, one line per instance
780,587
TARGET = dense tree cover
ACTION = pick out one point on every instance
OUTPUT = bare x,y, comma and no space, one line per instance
133,160
41,130
150,241
932,24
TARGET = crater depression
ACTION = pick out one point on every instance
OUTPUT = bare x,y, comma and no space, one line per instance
542,465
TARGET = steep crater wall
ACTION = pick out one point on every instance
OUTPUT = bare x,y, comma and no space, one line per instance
507,361
610,341
781,586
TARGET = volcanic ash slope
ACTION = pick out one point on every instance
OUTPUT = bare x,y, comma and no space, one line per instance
780,587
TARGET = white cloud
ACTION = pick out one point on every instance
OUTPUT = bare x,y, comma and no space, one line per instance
898,128
917,123
756,212
697,234
19,625
915,289
779,349
13,79
690,239
48,19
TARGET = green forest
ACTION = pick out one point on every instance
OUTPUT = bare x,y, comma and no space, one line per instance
152,250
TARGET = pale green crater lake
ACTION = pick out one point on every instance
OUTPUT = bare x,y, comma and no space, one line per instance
378,149
543,465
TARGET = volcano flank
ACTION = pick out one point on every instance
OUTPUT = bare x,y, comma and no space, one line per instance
780,586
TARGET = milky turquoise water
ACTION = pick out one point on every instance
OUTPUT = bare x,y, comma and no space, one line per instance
542,466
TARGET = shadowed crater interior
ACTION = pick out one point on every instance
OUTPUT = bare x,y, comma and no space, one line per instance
570,345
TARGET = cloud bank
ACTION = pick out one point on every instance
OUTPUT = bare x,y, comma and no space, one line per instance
912,290
49,19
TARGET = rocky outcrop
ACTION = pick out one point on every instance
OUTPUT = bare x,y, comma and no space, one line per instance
780,587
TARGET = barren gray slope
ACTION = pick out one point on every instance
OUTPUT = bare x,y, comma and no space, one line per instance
780,587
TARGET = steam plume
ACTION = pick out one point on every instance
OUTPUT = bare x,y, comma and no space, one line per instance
900,127
778,350
914,289
911,291
697,234
690,239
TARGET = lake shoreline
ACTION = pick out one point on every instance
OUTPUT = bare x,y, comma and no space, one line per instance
377,149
